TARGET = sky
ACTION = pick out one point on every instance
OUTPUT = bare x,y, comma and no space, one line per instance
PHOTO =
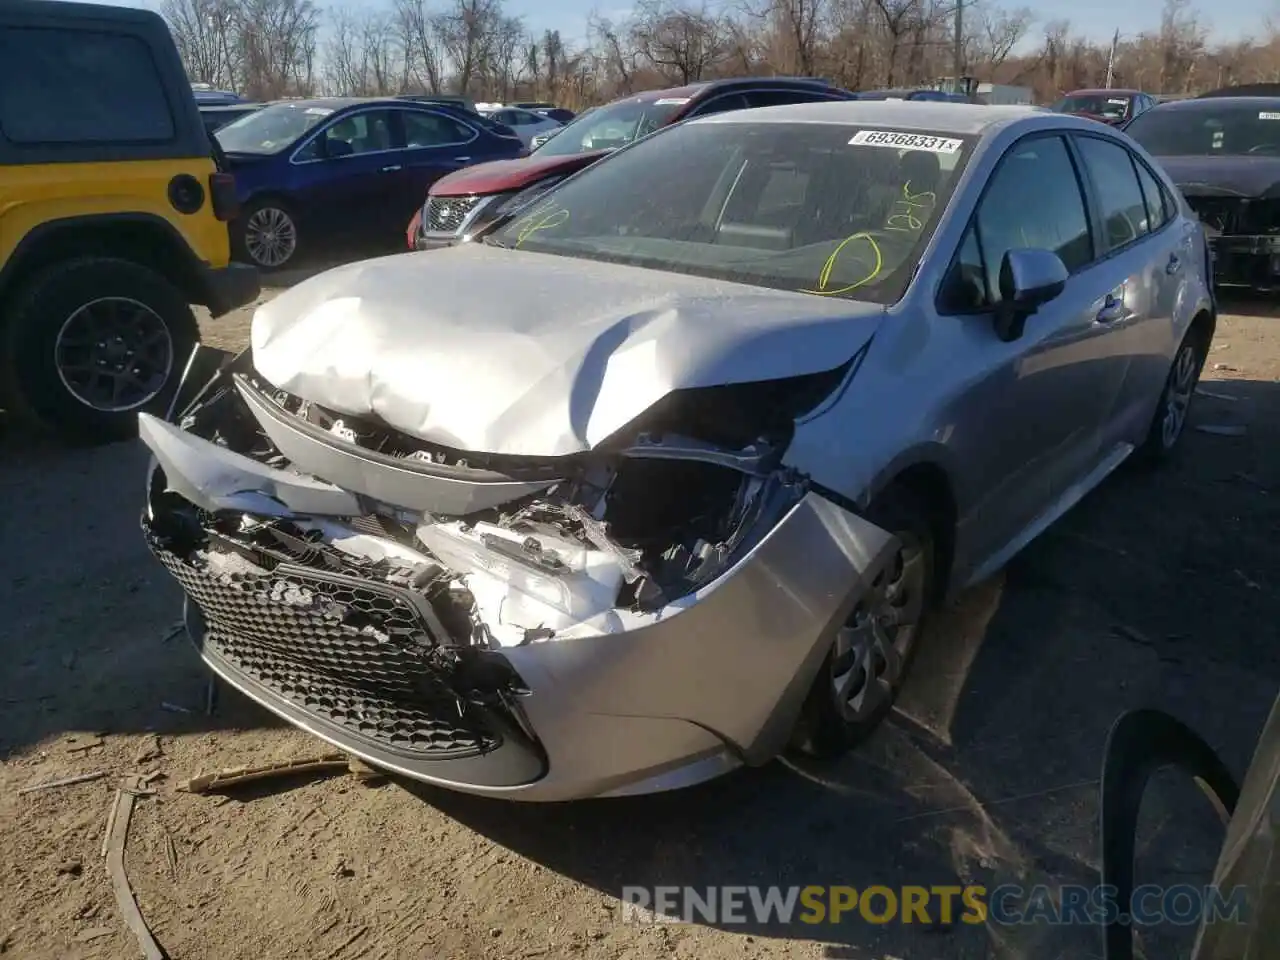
1095,19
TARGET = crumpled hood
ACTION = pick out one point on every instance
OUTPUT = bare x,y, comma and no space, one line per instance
507,352
1223,176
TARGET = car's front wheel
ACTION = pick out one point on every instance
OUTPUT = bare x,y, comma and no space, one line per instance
868,661
90,343
266,235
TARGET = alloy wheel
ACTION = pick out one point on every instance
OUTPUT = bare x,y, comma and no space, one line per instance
114,354
875,642
1178,392
270,236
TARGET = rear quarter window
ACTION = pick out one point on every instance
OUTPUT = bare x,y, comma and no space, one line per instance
77,86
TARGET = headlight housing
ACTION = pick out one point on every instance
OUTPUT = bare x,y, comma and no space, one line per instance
501,206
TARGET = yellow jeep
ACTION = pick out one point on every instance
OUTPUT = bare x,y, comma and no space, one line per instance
113,218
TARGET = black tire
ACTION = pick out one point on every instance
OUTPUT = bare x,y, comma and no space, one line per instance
243,249
1162,441
825,730
38,361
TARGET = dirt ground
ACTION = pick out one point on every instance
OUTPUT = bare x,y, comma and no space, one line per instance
1159,590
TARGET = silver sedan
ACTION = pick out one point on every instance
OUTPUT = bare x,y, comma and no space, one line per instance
660,477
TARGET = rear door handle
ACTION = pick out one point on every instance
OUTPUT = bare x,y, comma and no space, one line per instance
391,169
1112,310
1174,264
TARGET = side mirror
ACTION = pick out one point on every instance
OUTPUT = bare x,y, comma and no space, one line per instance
1029,278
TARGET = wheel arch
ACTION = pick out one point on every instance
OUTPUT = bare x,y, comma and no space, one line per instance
143,238
927,481
1204,324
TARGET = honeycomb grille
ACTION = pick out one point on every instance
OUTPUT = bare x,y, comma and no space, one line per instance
352,653
445,214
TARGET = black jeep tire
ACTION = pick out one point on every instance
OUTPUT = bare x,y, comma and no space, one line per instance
825,729
89,313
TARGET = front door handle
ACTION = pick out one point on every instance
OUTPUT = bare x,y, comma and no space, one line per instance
391,169
462,159
1174,264
1112,310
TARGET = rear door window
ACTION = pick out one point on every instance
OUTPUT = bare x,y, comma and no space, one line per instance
424,129
1124,211
1159,204
80,86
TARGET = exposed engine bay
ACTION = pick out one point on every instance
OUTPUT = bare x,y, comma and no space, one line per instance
609,541
1244,235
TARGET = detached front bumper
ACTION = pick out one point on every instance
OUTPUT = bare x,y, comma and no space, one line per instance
360,658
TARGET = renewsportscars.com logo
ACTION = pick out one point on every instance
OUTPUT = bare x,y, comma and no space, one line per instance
1008,904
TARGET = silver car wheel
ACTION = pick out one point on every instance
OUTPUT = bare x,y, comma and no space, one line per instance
114,354
270,236
871,648
1178,392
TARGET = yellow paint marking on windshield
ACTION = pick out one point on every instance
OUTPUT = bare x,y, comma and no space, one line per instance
905,219
825,275
547,218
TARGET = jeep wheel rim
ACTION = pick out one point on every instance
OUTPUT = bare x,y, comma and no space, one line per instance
270,237
114,354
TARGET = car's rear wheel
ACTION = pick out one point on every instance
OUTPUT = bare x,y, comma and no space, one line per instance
90,343
267,235
1170,420
864,670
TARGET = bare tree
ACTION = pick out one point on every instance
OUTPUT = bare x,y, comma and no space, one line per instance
684,44
203,31
995,35
797,22
467,31
617,55
898,16
277,40
420,37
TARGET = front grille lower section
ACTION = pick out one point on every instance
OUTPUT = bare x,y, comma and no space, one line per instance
445,214
355,654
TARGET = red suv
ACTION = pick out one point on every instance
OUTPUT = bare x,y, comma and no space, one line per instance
1112,107
462,203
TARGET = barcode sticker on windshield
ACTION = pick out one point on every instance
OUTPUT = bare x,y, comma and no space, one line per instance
905,141
671,101
1118,102
1268,115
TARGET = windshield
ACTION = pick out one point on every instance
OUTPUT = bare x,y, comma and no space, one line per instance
1209,130
608,128
270,129
1108,106
826,209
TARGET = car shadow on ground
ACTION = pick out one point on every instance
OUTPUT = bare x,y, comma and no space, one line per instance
1156,591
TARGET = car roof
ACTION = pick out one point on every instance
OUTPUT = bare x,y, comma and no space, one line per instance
703,88
1216,103
959,119
78,11
1104,91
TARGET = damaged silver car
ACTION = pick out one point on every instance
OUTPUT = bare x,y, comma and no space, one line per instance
658,478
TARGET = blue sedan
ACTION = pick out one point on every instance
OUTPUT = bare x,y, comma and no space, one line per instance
313,172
